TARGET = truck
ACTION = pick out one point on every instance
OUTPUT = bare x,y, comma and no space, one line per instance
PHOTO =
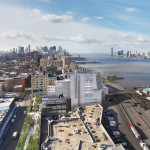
144,146
135,132
138,92
14,134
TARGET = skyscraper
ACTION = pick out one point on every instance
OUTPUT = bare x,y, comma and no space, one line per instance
112,53
28,48
136,53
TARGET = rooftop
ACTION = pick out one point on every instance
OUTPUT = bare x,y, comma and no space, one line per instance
18,86
11,94
85,131
4,107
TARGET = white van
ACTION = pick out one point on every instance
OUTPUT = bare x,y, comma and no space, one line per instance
14,135
12,121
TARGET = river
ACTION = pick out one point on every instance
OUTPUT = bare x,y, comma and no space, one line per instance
136,71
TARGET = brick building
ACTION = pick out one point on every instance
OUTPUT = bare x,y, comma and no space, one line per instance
39,84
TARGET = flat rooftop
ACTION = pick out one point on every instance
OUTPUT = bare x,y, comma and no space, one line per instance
86,132
4,107
18,86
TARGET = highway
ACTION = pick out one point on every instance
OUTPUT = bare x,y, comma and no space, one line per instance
122,120
9,143
138,117
135,117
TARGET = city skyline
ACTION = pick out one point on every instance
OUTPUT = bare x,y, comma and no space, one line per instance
93,27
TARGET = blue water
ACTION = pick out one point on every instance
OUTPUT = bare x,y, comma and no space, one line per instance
136,71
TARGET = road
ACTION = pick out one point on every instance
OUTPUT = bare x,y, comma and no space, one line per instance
133,112
123,123
8,142
139,118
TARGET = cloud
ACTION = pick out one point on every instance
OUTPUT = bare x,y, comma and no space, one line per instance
35,12
57,19
129,10
47,1
47,17
30,28
69,12
85,19
14,36
140,38
35,37
99,17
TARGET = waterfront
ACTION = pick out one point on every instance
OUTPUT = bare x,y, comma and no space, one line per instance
136,71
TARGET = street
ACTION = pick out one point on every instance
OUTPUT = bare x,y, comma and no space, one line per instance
9,143
123,123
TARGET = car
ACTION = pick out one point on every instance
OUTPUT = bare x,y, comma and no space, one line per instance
112,128
14,134
119,140
117,136
110,118
25,112
124,144
12,121
138,124
110,100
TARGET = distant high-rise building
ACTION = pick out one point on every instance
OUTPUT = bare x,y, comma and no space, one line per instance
53,49
118,53
20,50
121,52
45,49
112,53
29,48
136,53
148,55
59,48
128,53
143,54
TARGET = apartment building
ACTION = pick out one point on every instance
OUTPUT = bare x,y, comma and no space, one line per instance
39,84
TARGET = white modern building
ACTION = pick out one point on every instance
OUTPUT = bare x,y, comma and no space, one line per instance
59,87
87,88
84,88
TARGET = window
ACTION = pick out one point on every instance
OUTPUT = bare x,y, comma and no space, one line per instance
88,83
88,95
88,89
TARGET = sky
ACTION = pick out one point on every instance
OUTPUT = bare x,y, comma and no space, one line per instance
79,26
